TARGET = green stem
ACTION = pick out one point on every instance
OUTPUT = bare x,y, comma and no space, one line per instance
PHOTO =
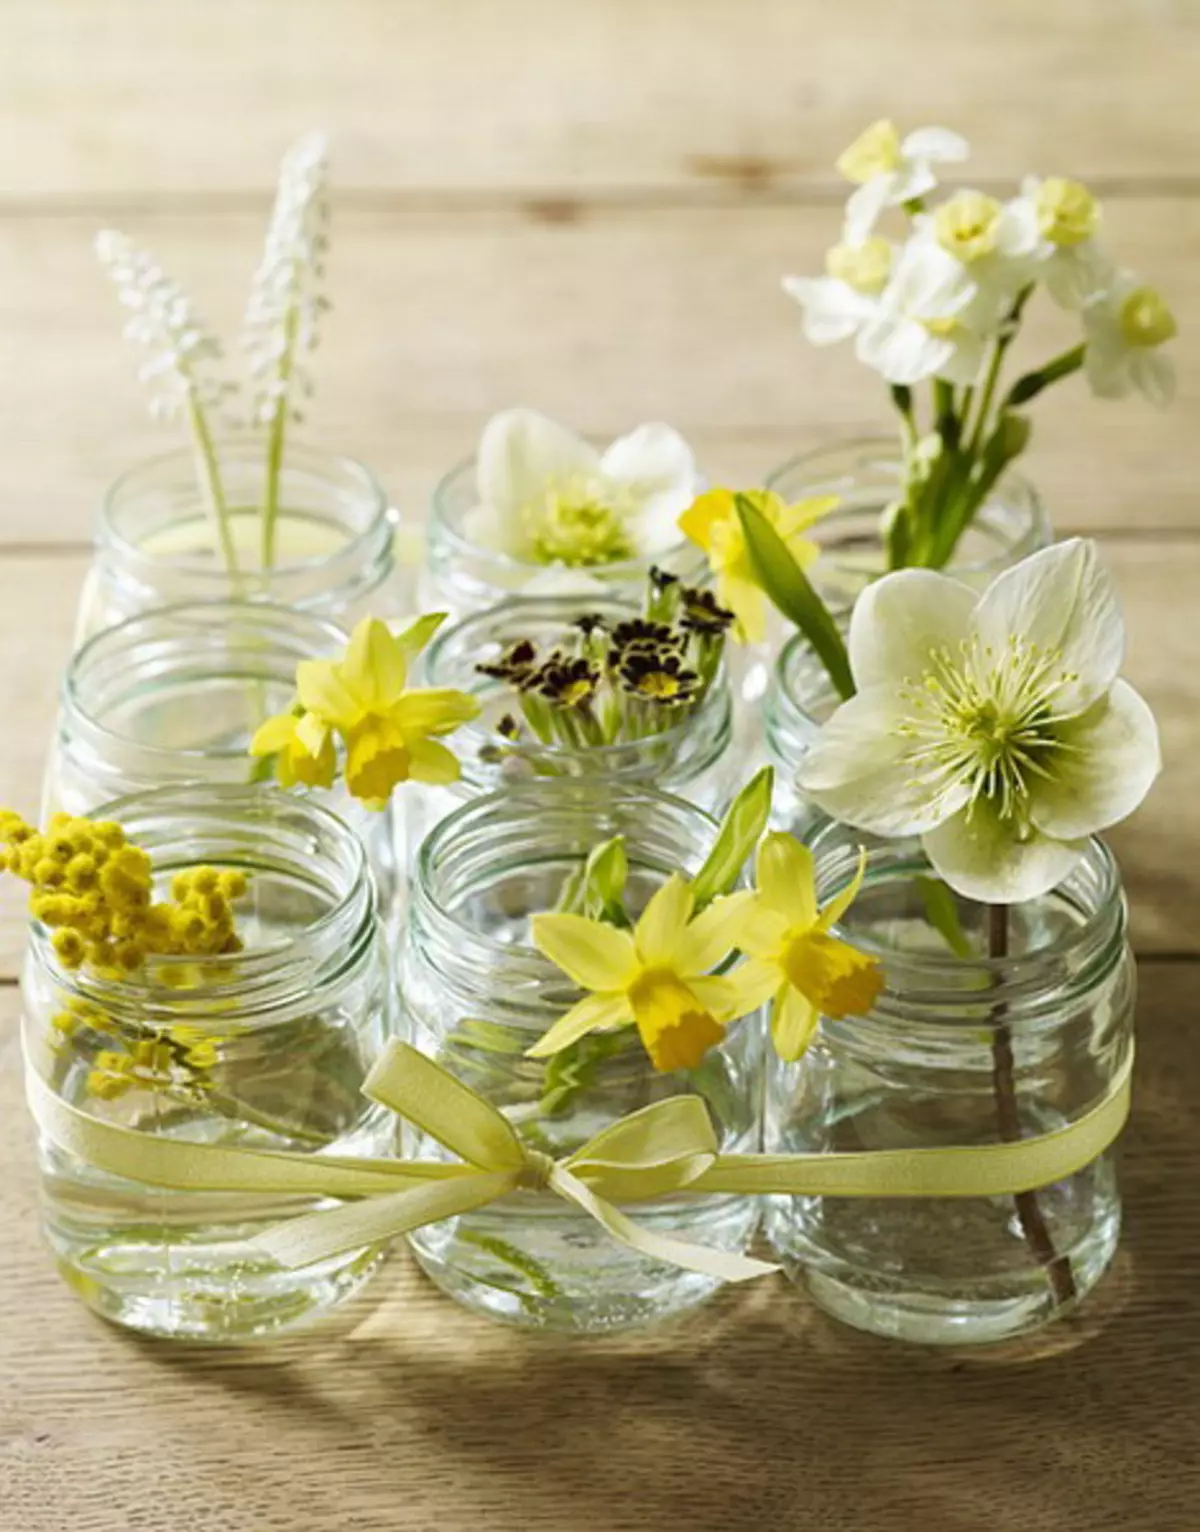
990,382
1032,383
275,438
210,482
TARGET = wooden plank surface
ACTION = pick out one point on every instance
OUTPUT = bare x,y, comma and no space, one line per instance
753,1413
609,318
588,208
133,97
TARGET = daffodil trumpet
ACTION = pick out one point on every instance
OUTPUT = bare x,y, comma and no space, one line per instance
936,301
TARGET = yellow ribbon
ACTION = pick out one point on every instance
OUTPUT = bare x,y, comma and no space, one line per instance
662,1150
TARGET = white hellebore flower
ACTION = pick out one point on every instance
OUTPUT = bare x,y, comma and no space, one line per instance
994,726
1053,224
1126,330
548,497
919,328
891,170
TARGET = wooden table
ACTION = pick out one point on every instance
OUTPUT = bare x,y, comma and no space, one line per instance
588,208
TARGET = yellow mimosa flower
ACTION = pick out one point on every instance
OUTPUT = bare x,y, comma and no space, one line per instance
390,731
657,976
713,523
790,953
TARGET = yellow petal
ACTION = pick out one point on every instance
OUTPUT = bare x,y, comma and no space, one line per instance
714,933
704,513
675,1026
798,517
750,985
838,906
312,734
273,735
837,978
323,691
591,1014
377,758
595,955
431,762
746,601
414,638
765,933
375,667
794,1021
434,710
662,923
783,870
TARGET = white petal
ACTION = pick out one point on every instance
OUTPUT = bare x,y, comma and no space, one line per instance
484,527
521,452
913,181
833,311
864,206
963,364
1077,274
902,350
860,769
653,460
937,144
1064,601
1106,364
899,621
563,582
977,854
1153,374
1114,757
1018,232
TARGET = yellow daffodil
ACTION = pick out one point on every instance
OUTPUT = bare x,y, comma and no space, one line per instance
657,976
790,953
712,522
390,731
302,746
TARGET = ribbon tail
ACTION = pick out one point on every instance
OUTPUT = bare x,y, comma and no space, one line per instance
317,1236
723,1265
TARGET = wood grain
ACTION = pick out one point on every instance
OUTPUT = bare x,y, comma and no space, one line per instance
753,1413
617,316
129,97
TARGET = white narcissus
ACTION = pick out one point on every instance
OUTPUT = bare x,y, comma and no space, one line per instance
994,727
548,497
891,170
1053,225
1126,330
920,328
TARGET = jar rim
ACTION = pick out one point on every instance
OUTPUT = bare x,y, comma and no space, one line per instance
238,448
109,643
443,519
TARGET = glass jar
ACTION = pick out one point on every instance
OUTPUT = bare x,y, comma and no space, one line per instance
267,1049
462,576
800,699
176,695
477,995
958,1051
867,475
156,544
692,760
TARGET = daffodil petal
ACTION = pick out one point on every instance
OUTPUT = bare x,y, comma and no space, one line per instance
273,735
375,667
323,691
840,903
311,734
597,956
431,762
754,982
794,1022
783,871
764,933
714,933
803,514
662,923
434,710
728,996
591,1014
706,512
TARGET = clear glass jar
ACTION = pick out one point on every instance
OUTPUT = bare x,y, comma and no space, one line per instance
692,760
866,474
155,543
462,576
477,995
175,696
269,1050
800,699
958,1051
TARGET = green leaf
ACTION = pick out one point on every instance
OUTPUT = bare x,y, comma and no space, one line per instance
604,878
941,911
418,633
736,839
788,587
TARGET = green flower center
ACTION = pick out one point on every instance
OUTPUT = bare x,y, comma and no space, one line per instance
575,525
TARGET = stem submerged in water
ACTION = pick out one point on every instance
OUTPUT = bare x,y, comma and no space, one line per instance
210,483
1029,1213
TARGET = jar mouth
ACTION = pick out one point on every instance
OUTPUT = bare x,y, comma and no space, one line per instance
452,657
263,832
1048,957
355,506
446,518
242,642
865,472
803,692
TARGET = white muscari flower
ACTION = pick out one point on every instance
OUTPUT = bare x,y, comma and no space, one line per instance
921,326
546,496
994,727
892,170
1052,224
1126,331
286,301
179,345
